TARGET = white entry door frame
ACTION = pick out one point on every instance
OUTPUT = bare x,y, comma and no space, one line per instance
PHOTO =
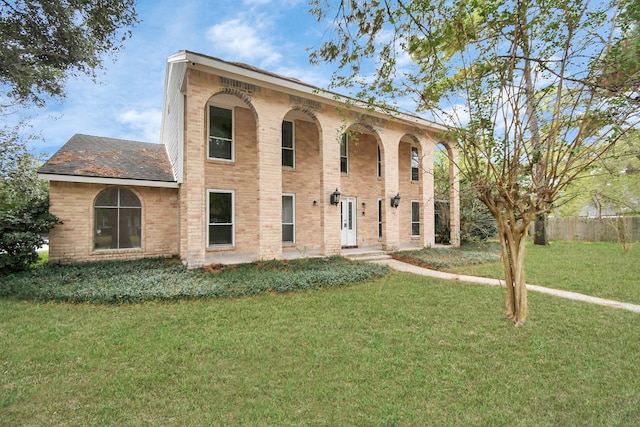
348,222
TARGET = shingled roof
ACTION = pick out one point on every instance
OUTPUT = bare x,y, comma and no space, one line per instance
98,157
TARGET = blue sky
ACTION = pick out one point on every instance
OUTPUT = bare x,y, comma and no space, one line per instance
126,102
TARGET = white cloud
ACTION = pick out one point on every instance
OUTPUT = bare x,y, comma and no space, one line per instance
144,125
256,2
238,40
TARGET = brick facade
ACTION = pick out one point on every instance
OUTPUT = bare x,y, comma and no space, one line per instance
175,221
73,241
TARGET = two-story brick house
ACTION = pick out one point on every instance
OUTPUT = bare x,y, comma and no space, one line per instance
249,167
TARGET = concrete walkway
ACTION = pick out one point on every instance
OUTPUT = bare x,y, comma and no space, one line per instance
409,268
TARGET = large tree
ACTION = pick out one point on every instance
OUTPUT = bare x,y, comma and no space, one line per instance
42,42
524,86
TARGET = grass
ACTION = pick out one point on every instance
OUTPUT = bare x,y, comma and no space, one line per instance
403,350
43,258
598,269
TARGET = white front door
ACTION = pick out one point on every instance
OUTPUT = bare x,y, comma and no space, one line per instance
348,216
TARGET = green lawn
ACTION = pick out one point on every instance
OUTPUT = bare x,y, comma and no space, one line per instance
598,269
403,350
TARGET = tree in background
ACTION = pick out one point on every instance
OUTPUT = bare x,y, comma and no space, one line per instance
24,206
611,186
42,42
525,88
476,222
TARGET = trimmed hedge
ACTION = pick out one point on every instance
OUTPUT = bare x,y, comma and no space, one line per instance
163,279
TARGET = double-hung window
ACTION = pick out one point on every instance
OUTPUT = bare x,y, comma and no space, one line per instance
379,163
220,144
288,145
344,154
220,218
288,218
415,165
415,218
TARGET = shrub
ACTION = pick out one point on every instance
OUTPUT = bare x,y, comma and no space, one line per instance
162,279
21,230
444,258
24,212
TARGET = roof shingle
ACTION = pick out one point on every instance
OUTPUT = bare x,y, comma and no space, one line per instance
93,156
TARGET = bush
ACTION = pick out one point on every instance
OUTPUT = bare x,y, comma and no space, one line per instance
162,279
445,258
21,230
24,211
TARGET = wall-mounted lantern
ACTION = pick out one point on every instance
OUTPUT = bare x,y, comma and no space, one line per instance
395,201
335,198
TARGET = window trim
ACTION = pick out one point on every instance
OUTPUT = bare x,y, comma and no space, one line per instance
379,172
345,144
118,207
415,202
233,217
416,168
293,205
233,132
293,144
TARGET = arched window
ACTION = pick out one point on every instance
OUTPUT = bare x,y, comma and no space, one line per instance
118,214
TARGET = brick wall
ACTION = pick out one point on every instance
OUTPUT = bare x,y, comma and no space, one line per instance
239,176
363,183
73,240
304,182
409,191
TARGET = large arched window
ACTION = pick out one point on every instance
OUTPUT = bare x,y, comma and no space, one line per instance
118,214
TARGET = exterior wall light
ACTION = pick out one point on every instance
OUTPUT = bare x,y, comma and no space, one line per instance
335,198
395,201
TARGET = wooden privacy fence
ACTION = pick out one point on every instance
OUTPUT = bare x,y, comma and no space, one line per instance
593,229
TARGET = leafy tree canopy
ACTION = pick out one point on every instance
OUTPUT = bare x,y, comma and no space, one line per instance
533,91
24,212
610,185
42,42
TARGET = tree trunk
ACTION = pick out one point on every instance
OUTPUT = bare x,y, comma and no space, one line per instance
540,231
512,242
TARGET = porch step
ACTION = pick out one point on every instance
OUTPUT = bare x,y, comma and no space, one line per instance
368,256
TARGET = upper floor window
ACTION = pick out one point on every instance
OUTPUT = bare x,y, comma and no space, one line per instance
117,213
288,145
379,163
344,154
415,164
220,133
